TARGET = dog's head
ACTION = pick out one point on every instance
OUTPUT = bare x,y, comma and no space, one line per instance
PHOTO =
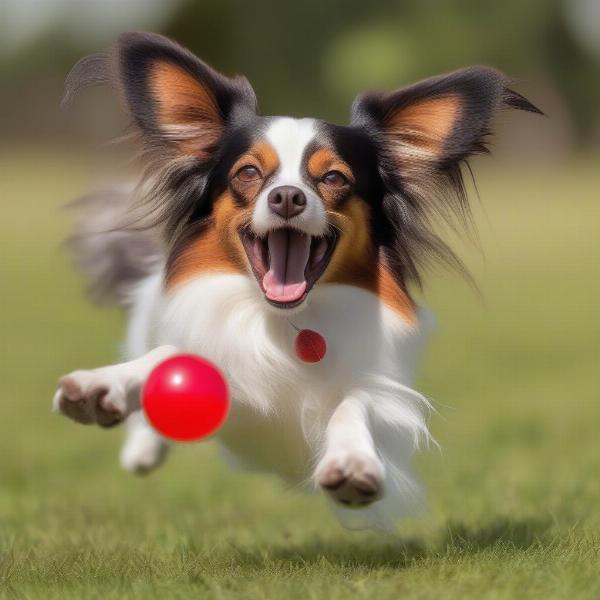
292,202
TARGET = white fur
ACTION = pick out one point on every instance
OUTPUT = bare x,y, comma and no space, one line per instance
281,419
143,449
290,138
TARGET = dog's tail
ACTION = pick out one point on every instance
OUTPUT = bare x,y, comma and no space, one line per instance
113,253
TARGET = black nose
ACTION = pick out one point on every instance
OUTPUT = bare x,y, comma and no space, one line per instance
287,201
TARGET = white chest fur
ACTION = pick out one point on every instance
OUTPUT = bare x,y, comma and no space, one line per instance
280,404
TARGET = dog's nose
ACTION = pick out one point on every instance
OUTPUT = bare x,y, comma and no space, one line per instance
287,201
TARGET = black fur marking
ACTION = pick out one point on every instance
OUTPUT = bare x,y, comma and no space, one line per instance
138,52
357,148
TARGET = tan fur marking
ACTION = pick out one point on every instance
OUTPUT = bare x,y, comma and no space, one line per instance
324,160
426,125
261,155
266,156
188,112
355,260
218,249
392,295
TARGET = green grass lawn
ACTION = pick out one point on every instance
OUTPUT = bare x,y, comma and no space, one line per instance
514,495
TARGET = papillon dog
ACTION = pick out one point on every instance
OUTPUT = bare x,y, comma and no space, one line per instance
244,229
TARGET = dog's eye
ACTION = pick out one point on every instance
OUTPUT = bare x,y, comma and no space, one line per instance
334,179
248,173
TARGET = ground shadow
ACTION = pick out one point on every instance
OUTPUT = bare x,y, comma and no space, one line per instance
398,553
515,533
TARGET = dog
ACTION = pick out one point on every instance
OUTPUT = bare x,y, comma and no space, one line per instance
245,228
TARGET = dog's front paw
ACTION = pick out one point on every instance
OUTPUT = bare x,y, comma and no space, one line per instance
351,478
96,396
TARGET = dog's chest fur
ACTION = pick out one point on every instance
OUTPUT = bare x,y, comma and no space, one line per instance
280,405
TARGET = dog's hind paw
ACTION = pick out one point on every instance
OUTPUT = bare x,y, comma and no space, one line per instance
95,396
352,478
144,450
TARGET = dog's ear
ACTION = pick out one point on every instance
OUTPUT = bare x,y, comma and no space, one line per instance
174,97
423,133
430,127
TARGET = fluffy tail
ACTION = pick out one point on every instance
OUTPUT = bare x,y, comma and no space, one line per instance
112,253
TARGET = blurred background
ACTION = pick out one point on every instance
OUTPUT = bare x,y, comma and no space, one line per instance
512,367
313,57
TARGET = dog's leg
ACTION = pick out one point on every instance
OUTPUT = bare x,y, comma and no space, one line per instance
143,449
350,470
106,396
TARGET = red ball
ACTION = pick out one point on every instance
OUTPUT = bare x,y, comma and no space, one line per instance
185,398
310,346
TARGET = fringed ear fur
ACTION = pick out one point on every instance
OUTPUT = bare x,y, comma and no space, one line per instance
176,99
424,133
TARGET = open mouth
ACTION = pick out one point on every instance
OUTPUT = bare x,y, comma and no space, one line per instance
287,263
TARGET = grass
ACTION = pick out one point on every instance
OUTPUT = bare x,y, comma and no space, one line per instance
514,495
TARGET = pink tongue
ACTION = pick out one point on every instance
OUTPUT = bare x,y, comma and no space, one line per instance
289,251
